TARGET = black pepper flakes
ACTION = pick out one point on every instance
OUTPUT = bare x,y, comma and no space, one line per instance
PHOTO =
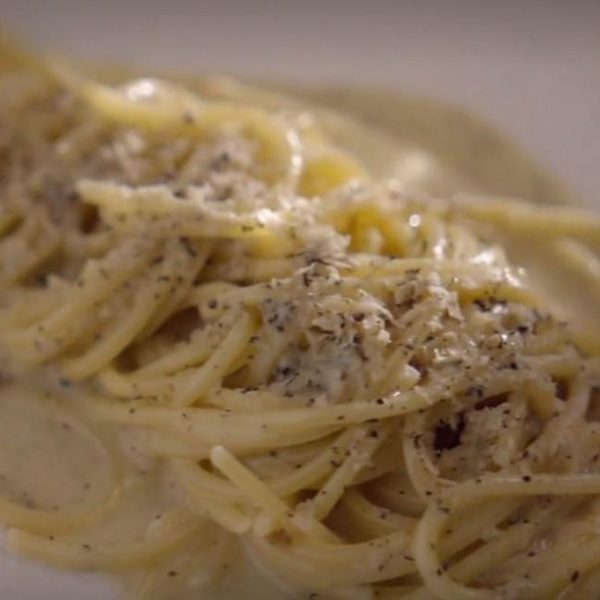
447,435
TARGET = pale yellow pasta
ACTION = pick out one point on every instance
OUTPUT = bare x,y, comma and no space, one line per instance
345,380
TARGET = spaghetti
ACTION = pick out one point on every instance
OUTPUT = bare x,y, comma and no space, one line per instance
345,381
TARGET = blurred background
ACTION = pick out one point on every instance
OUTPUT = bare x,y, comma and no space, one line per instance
530,67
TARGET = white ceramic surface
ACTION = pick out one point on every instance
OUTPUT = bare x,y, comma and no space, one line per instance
532,68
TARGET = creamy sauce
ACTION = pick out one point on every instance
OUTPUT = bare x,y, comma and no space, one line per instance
47,465
56,462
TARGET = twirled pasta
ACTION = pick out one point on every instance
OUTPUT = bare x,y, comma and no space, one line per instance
344,378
